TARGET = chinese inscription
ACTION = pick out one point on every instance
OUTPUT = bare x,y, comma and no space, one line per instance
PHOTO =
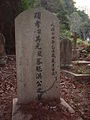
53,56
37,17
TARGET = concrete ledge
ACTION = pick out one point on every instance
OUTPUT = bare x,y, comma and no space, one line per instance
17,113
81,62
70,109
66,105
76,76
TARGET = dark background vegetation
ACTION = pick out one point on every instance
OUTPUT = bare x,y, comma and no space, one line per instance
64,9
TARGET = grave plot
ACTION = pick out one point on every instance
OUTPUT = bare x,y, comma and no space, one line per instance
80,70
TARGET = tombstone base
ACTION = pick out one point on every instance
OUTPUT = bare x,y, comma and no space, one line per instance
17,113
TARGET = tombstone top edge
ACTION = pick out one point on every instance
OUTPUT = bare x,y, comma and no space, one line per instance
35,10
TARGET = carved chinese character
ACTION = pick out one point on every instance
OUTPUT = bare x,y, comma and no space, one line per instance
38,75
38,38
52,29
39,83
52,25
37,15
39,31
37,23
39,96
38,46
39,61
40,53
53,65
53,37
53,33
53,51
38,69
53,60
53,55
39,90
53,47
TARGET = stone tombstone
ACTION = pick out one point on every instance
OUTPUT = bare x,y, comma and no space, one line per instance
65,52
37,55
2,45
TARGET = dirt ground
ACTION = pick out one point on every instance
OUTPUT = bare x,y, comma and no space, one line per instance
76,93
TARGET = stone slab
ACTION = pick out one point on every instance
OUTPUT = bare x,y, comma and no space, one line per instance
82,62
17,113
37,55
65,53
88,65
76,76
65,104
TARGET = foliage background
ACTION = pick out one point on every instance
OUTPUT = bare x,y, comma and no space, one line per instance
64,9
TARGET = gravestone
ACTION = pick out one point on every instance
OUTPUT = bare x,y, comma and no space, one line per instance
65,53
37,58
2,49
